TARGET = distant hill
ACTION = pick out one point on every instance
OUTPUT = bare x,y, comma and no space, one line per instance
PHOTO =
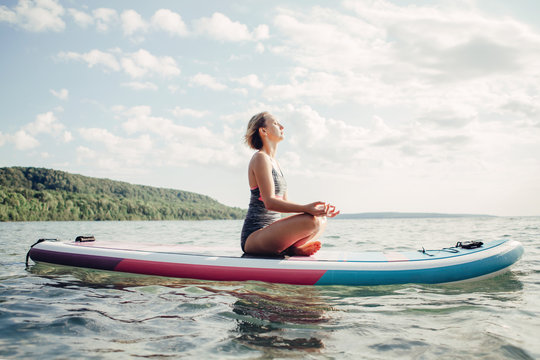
36,194
401,215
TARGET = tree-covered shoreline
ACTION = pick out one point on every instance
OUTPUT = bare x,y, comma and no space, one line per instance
38,194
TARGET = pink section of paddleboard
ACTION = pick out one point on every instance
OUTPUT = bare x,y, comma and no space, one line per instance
224,273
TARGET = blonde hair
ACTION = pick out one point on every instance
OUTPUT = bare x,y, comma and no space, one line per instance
252,137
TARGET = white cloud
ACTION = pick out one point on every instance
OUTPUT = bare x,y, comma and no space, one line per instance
174,144
259,48
84,153
139,119
328,40
104,17
525,105
448,117
433,59
141,62
138,64
220,27
35,15
181,112
136,85
24,141
62,94
337,88
308,127
141,111
67,136
45,123
81,18
426,40
251,80
261,32
99,135
42,15
3,139
26,137
170,22
6,15
132,22
92,58
208,81
120,151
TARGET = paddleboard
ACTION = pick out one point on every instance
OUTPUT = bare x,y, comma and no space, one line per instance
445,265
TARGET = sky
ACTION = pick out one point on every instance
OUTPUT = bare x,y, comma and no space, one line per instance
409,106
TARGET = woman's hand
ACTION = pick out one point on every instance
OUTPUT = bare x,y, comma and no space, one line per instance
317,208
321,208
331,210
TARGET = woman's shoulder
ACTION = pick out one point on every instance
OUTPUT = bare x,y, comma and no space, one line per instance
260,159
260,156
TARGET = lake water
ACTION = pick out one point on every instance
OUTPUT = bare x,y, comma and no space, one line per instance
48,312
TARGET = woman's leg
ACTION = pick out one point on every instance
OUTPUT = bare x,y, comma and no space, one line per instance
308,245
296,234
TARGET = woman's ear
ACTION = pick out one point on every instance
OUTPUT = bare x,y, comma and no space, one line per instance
262,131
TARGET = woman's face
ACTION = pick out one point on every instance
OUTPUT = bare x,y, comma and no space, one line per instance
273,128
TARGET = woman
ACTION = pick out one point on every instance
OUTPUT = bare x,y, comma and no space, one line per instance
264,231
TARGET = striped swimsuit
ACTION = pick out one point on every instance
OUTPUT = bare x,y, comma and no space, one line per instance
258,216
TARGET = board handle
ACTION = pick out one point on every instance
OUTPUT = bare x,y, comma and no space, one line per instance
85,238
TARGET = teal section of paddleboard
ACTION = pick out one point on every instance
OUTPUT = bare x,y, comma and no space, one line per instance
443,274
418,255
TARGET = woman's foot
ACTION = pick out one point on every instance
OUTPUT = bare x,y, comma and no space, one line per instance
306,249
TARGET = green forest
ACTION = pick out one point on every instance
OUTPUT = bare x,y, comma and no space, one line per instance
37,194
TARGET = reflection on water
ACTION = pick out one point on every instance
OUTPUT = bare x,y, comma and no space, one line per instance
102,278
268,317
264,316
504,283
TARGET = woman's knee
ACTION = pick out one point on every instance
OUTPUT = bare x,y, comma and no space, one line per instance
315,222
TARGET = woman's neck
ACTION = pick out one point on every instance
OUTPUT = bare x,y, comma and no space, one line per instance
269,149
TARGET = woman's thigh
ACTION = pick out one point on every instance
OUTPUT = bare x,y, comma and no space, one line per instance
281,234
